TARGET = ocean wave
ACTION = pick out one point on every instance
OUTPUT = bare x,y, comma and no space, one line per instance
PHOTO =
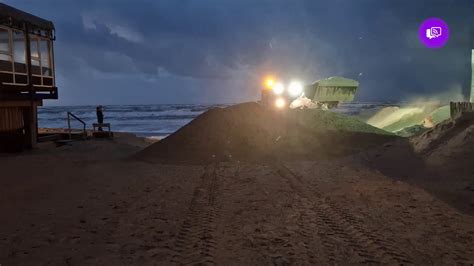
153,120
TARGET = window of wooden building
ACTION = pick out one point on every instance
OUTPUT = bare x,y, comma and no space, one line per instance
13,64
41,63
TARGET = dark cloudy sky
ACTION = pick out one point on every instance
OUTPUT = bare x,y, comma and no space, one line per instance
211,51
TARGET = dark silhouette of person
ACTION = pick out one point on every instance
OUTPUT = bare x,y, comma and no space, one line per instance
100,115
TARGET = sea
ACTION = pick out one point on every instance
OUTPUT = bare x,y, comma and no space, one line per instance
156,120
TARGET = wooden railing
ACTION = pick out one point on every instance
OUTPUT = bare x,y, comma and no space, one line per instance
69,115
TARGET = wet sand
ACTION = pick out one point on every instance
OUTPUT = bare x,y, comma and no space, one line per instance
91,203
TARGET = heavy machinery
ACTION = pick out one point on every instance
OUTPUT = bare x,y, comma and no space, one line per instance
276,94
324,93
331,91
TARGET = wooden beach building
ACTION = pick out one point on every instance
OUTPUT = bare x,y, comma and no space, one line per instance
26,75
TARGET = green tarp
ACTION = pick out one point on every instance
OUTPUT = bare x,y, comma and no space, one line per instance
337,82
333,89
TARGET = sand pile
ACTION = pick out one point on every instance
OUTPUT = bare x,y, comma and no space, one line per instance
449,143
251,132
320,120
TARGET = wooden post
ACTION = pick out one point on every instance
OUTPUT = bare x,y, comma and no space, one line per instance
69,125
34,116
31,126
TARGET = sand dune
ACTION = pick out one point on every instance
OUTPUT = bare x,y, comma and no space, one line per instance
98,203
250,132
450,143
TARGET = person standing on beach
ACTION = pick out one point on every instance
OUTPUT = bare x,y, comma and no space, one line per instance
100,115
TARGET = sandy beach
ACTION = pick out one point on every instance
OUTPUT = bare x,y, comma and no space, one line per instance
236,132
95,202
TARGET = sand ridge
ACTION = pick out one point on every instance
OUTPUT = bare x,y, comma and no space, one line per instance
97,202
252,132
450,143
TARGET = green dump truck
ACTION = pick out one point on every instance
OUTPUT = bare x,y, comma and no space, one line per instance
331,91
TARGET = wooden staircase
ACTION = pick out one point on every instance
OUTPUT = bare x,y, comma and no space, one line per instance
62,137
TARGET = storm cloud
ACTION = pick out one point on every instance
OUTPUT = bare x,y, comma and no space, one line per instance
209,51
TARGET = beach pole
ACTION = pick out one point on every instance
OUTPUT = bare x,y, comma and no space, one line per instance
69,125
472,76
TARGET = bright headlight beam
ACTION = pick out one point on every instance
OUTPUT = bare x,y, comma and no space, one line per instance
295,88
280,103
278,88
269,82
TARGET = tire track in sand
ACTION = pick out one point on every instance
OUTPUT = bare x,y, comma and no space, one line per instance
333,221
195,243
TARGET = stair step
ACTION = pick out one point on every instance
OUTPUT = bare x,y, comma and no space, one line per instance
49,137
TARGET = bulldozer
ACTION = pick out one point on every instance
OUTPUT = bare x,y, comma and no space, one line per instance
325,93
332,91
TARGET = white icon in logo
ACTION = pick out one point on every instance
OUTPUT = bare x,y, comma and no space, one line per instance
433,32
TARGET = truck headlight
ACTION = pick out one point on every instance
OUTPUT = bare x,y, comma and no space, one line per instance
278,88
280,103
269,82
295,88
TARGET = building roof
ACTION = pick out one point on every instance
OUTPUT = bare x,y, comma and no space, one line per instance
337,82
12,16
